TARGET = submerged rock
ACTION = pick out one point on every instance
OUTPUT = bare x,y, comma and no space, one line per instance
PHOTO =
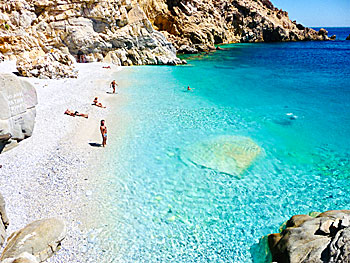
17,110
40,238
226,154
321,239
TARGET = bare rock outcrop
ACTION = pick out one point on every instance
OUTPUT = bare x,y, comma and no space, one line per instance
4,221
91,30
38,241
17,110
321,239
53,65
201,24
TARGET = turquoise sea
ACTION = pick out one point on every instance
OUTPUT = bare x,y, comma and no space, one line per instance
291,100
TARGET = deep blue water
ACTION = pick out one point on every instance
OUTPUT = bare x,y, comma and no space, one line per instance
169,208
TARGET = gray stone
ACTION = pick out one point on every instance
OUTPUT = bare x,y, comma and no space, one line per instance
17,108
325,238
40,238
4,221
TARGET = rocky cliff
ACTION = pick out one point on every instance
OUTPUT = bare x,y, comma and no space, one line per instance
194,25
93,30
135,32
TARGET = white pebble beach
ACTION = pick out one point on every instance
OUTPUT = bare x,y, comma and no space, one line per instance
54,173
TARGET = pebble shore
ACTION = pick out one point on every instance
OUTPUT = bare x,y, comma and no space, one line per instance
54,173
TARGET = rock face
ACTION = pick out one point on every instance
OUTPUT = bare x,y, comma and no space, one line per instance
53,65
124,32
192,24
17,109
40,239
321,239
226,154
4,221
91,30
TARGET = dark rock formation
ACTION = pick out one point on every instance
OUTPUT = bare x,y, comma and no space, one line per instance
348,37
321,239
333,37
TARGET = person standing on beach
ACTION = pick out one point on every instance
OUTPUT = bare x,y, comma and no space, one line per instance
113,85
103,130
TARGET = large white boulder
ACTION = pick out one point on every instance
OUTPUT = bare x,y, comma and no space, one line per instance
18,99
41,239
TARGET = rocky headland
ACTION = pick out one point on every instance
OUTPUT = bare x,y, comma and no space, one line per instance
130,32
318,238
194,26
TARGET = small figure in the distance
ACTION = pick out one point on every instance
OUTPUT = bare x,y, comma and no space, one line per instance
103,130
189,89
98,104
113,85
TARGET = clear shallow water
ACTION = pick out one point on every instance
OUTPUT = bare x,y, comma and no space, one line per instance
165,209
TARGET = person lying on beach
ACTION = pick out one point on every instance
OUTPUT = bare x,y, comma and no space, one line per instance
106,67
76,113
113,85
98,104
103,130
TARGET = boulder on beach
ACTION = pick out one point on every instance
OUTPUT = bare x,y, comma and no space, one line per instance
41,238
17,109
53,65
4,221
320,239
226,154
23,258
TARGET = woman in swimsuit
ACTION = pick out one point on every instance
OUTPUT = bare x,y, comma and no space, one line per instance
103,130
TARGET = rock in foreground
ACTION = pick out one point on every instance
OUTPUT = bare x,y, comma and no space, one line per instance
321,239
17,110
226,154
4,221
41,239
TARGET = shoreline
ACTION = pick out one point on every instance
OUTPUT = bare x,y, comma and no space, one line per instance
54,173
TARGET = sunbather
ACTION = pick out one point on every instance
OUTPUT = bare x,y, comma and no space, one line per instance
76,113
98,104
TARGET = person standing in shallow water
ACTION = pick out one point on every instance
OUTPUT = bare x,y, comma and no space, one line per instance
113,85
103,130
